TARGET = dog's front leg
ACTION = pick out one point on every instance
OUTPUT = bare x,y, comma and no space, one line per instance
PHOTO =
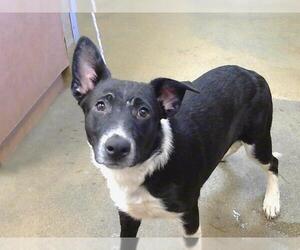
192,228
190,221
129,225
129,229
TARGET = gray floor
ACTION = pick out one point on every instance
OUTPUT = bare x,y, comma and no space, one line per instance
50,188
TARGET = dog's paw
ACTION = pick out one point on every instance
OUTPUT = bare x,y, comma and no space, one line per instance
271,205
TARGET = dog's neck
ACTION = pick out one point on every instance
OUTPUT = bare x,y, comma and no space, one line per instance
160,158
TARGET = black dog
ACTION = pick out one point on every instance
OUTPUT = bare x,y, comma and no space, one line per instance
157,144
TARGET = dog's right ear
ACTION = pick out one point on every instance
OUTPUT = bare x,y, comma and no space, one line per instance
170,93
88,68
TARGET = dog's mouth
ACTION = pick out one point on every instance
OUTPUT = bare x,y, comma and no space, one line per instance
113,164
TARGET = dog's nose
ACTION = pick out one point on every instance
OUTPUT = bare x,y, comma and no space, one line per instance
117,147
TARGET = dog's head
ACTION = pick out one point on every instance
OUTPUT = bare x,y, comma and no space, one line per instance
122,118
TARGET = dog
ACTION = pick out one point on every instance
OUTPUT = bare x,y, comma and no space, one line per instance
157,144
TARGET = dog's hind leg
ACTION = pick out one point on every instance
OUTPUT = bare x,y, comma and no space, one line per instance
234,148
271,203
261,152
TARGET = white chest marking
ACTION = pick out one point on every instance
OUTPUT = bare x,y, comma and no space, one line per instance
125,184
129,196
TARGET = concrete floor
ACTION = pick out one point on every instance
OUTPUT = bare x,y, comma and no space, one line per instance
50,188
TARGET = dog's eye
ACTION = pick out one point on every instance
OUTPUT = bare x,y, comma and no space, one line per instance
109,97
143,113
100,106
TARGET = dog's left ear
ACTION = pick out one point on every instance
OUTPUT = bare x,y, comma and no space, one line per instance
170,94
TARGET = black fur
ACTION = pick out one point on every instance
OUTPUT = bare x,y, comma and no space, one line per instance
230,104
234,104
129,226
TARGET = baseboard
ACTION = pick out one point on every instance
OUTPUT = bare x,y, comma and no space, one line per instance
10,144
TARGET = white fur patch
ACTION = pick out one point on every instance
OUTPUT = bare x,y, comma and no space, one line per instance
125,184
271,203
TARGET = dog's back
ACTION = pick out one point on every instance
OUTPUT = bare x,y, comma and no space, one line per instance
233,104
